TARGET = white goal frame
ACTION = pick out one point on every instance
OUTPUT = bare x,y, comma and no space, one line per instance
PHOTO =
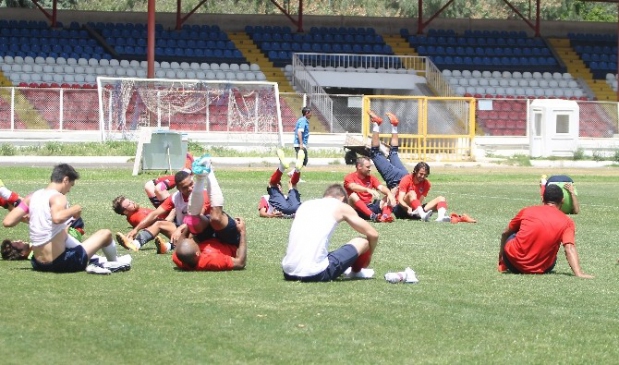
265,119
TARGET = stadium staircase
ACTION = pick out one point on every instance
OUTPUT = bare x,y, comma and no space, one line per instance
399,45
24,110
253,54
577,68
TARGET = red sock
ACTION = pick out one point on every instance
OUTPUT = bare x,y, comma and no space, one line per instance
276,178
296,175
362,261
13,198
542,188
360,206
441,205
415,204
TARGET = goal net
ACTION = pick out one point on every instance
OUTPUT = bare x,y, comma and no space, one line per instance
249,110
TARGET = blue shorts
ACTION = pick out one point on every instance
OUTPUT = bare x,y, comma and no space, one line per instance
373,207
285,205
71,260
339,260
229,234
391,170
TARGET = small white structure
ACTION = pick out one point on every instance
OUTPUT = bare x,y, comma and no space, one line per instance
553,127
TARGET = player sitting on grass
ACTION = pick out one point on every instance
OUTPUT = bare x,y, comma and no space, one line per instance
276,204
531,241
218,241
54,250
135,214
410,189
364,191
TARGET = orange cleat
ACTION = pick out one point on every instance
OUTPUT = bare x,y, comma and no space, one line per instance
455,218
466,219
375,118
393,119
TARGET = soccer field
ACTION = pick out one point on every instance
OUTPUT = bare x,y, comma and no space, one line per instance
461,311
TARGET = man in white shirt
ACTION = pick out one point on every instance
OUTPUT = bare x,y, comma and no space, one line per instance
307,258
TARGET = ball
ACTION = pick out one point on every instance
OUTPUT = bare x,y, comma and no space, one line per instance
568,204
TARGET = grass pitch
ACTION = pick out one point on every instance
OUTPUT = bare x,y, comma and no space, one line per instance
461,311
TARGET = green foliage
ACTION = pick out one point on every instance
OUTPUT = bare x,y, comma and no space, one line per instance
7,149
598,156
579,154
462,311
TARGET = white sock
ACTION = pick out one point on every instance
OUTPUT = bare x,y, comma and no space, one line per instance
196,198
5,193
441,212
420,211
375,127
110,251
394,130
214,191
281,168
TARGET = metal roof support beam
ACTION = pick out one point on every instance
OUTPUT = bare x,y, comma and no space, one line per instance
53,16
420,24
535,27
182,19
299,21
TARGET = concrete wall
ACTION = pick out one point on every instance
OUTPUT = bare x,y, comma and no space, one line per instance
235,23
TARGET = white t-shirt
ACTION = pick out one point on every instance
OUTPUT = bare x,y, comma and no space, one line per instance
41,227
310,233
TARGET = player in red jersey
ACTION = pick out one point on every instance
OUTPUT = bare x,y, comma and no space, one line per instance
363,193
531,241
411,189
212,254
135,214
177,202
221,238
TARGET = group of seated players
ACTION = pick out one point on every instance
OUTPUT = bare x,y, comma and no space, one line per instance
202,236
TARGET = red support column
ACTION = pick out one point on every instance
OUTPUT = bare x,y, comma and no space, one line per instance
150,46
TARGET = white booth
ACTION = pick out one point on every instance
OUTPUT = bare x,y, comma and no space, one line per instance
553,127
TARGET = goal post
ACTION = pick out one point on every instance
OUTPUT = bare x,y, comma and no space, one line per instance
250,110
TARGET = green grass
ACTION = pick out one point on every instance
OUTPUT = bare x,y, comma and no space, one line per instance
126,148
461,311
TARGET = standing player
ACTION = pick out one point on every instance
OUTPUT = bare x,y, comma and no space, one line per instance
363,193
301,136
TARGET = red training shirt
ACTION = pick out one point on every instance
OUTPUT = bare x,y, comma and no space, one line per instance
214,256
370,182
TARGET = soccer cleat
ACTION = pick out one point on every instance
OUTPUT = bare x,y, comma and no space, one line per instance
96,269
385,218
363,274
282,158
202,165
162,246
395,277
443,219
126,242
411,278
466,219
375,118
374,217
393,119
300,159
427,215
116,266
454,218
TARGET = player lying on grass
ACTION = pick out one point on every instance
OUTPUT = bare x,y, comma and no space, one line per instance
135,214
53,248
531,241
411,189
307,257
217,240
275,204
157,190
570,195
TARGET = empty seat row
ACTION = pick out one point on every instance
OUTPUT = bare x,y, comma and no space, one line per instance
490,91
320,38
544,84
507,74
483,51
416,40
